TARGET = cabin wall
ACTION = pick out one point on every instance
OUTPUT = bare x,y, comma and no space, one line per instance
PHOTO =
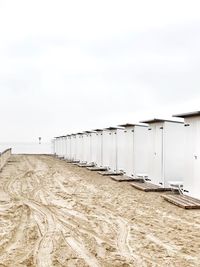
120,155
140,153
99,149
94,141
155,153
173,152
85,148
126,155
65,148
68,147
191,184
106,148
79,147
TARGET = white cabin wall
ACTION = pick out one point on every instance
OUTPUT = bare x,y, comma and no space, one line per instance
94,141
126,155
191,184
173,152
65,144
73,147
79,147
155,152
140,150
69,147
121,153
106,148
99,149
112,150
85,148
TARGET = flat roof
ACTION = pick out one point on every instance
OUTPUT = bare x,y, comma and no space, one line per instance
132,125
98,130
60,136
112,128
159,120
92,131
187,115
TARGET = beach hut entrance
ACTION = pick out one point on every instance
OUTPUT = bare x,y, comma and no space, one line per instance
156,165
192,181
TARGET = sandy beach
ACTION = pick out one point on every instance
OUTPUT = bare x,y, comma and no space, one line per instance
53,213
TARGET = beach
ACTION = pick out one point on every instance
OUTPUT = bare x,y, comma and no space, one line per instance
53,213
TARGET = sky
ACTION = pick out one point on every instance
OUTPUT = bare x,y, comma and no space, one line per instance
69,66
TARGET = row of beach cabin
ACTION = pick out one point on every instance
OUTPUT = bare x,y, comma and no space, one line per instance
165,153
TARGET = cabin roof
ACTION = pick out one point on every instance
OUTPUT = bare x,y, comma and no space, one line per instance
87,132
112,128
132,125
60,136
159,120
98,130
187,115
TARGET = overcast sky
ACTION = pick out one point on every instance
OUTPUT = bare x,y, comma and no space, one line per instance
68,66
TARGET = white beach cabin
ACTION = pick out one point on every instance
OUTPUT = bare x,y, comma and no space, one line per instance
91,150
134,150
84,147
98,147
105,148
79,142
73,148
191,180
68,147
165,151
112,147
65,147
87,149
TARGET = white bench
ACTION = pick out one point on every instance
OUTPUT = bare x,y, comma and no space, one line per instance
177,185
142,176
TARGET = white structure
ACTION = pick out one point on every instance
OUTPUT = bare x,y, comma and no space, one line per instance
65,147
73,156
165,151
90,146
84,147
112,147
62,146
87,146
133,153
68,147
98,147
94,147
191,181
106,140
79,142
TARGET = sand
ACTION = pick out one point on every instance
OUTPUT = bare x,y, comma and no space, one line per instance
56,214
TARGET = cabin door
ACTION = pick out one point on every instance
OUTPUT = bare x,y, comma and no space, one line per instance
197,161
156,154
192,160
129,152
113,150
